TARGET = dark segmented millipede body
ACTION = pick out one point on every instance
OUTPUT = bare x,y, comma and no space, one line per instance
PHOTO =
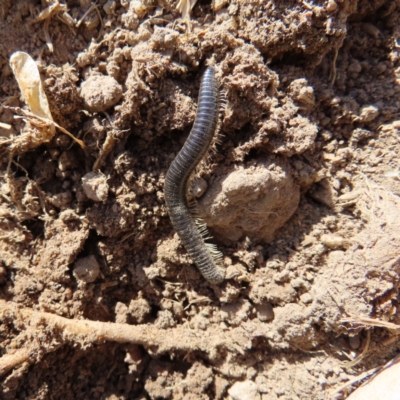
205,255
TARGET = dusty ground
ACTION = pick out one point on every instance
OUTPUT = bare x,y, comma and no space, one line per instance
302,198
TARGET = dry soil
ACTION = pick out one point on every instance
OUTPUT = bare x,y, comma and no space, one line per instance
98,298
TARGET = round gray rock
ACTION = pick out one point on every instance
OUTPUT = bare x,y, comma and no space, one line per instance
86,269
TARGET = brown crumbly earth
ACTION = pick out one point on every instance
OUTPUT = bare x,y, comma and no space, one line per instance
301,196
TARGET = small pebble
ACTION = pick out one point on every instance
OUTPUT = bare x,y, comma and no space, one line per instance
95,186
334,241
246,390
354,342
197,187
86,269
265,312
369,113
109,7
306,298
331,6
220,4
297,283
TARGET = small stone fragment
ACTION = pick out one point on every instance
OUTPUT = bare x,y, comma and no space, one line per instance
323,193
297,283
95,186
86,269
369,113
306,298
334,241
67,161
331,6
100,92
197,187
246,390
220,4
265,312
109,7
302,94
354,341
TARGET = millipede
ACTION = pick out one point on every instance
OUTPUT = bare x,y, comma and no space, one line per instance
191,230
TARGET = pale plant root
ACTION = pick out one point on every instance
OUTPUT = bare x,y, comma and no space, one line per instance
86,332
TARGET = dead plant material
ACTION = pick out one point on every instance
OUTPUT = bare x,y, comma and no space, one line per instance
367,322
40,127
89,10
185,7
27,75
60,10
361,356
37,131
108,144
